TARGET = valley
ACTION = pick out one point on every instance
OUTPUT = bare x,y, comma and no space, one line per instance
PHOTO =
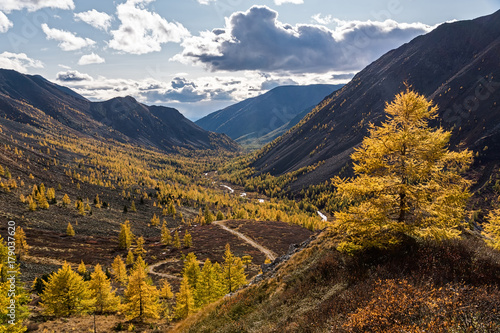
372,206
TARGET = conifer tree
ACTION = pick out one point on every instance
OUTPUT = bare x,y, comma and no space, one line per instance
132,207
97,201
101,291
119,270
130,258
139,250
234,271
155,220
492,229
66,294
407,181
191,270
141,297
184,301
247,259
177,241
31,203
166,237
22,246
66,200
220,216
188,240
219,288
205,286
51,196
126,236
82,269
166,290
69,230
209,218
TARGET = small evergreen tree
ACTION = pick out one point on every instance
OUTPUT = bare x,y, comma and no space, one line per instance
22,246
492,229
132,207
125,236
66,200
82,269
177,241
119,270
166,290
101,291
141,297
184,300
166,237
191,270
188,240
234,271
130,258
139,250
69,230
66,294
247,260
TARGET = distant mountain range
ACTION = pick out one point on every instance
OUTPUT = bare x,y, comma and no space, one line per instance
36,101
258,120
457,65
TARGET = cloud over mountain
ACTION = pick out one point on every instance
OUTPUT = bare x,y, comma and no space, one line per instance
18,61
257,40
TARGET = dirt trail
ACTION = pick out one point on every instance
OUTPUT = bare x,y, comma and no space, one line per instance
164,275
270,254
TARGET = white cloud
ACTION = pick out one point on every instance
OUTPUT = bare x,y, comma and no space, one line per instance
257,40
18,62
89,59
67,40
34,5
206,2
324,20
73,76
295,2
5,23
96,19
142,31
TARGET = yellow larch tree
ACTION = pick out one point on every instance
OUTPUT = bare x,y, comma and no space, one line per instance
141,297
66,294
119,270
106,300
407,181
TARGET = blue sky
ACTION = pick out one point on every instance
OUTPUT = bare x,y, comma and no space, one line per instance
201,55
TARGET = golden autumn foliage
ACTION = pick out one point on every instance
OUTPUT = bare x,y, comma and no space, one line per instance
407,181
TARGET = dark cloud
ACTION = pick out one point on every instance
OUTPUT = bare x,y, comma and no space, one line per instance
256,40
180,82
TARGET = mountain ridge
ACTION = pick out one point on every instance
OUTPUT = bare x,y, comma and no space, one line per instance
122,118
251,120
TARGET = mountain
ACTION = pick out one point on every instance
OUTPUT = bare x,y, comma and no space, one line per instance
455,65
36,101
251,120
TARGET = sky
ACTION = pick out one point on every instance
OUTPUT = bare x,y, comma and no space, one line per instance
202,55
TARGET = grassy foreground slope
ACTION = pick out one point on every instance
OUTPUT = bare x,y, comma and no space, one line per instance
414,287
